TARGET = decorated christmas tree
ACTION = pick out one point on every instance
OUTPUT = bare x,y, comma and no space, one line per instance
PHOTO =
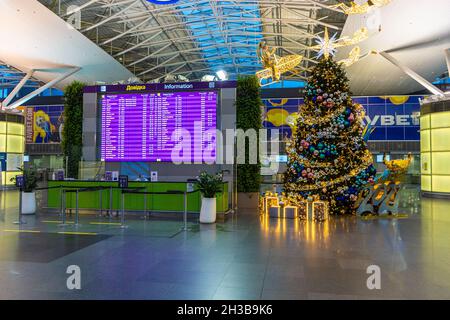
328,154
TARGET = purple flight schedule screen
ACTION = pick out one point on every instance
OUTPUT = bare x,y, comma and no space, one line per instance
154,126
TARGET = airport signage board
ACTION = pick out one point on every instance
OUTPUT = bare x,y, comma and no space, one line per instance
394,118
161,87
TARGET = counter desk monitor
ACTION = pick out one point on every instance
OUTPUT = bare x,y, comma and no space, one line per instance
148,126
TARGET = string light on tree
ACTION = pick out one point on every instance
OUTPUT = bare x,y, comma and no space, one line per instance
328,156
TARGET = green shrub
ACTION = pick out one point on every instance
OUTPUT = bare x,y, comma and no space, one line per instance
72,142
248,116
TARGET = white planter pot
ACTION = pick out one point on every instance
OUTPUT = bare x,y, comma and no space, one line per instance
28,203
208,210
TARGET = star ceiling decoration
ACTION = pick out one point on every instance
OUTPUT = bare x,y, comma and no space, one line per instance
326,45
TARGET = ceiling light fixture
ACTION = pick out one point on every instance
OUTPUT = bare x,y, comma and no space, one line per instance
222,75
208,78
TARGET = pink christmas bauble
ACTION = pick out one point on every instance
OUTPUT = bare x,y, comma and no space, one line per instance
351,117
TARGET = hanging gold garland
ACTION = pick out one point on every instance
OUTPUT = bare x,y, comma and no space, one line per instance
367,160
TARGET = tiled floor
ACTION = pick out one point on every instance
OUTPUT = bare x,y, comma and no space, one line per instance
244,258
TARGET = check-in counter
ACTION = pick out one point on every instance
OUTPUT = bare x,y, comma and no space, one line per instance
109,196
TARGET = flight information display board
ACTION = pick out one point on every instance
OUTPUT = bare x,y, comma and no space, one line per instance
145,126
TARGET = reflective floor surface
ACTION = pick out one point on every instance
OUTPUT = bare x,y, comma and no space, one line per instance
248,257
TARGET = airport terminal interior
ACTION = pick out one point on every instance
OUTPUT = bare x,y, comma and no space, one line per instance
224,150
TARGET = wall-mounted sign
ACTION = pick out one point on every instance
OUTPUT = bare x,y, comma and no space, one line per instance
20,181
125,137
394,118
108,176
155,87
2,161
60,175
123,181
44,124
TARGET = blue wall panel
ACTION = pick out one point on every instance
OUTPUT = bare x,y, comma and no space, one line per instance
395,118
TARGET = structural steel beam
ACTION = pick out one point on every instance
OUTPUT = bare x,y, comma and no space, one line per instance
17,88
428,85
31,95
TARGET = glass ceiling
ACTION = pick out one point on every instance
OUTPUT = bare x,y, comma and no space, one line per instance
228,44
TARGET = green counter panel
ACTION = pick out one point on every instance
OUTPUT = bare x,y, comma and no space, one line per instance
133,202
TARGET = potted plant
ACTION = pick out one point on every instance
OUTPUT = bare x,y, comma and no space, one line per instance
209,185
28,194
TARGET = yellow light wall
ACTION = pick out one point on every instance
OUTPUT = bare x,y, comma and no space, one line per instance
6,177
2,142
12,142
425,140
440,139
435,152
425,163
440,183
426,183
16,128
441,163
2,127
425,122
440,120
